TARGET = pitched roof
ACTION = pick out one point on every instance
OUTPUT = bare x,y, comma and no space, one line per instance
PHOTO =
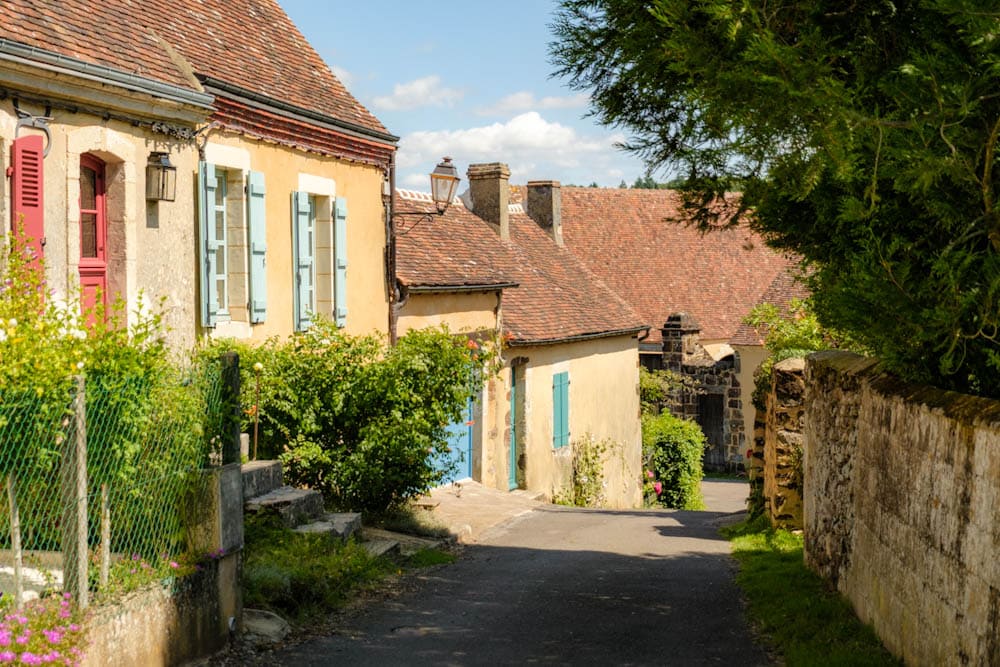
251,44
454,251
785,287
660,267
556,297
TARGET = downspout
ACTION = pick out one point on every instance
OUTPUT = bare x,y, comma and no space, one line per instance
397,299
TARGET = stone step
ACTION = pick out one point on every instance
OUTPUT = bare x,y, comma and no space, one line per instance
260,478
294,506
339,526
379,548
408,544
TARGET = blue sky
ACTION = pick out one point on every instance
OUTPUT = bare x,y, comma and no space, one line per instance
466,79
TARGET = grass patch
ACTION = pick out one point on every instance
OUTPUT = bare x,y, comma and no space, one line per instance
429,557
709,474
801,618
301,577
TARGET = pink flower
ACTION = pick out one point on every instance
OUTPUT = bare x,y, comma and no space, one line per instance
30,658
658,487
174,564
8,656
649,474
23,639
54,636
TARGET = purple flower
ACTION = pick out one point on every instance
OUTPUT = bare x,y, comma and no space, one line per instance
54,636
30,658
23,639
8,656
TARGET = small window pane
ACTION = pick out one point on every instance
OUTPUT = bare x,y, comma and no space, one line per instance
88,189
88,235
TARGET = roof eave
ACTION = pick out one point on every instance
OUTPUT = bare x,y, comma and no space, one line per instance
520,342
485,287
253,99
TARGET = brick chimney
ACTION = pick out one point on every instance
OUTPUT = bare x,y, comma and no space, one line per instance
490,191
545,207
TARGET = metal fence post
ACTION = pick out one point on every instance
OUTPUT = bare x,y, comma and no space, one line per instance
74,496
231,405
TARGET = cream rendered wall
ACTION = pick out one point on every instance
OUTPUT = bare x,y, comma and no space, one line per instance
151,246
751,357
603,402
465,311
287,170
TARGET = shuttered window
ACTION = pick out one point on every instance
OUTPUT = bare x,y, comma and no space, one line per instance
257,223
212,229
340,261
560,409
303,245
27,191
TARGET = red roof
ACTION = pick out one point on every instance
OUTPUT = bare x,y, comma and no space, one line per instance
661,267
556,297
251,44
785,287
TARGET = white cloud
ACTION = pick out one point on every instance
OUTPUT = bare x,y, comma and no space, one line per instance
526,101
423,92
345,77
529,144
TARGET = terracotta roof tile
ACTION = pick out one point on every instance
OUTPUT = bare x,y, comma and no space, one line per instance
785,287
661,267
556,297
247,43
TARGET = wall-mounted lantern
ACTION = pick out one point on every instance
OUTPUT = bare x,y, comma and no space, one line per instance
161,178
444,183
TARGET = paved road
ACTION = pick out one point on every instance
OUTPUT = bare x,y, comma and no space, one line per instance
564,586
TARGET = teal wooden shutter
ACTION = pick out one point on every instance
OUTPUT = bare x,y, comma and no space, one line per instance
340,261
302,241
257,223
560,409
207,186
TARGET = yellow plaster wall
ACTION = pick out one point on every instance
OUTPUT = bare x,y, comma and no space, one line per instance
751,357
465,311
367,300
151,245
603,402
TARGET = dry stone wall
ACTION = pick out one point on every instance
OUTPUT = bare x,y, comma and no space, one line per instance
902,508
783,445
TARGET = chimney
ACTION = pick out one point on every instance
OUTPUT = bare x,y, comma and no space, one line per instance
545,207
490,190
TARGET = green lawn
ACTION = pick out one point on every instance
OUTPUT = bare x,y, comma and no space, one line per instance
800,618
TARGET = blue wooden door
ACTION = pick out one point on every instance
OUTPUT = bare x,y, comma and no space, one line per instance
459,449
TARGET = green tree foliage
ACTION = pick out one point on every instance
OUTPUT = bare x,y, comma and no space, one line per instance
862,136
354,418
673,448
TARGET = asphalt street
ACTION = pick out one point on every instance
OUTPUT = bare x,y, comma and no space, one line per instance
560,586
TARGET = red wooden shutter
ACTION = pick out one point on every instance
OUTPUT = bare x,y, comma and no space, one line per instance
26,187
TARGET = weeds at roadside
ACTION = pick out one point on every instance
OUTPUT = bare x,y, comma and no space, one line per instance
410,521
802,619
430,557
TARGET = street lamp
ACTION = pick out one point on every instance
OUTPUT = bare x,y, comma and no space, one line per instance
444,183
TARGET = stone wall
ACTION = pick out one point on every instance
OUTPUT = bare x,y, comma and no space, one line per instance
902,501
783,445
717,406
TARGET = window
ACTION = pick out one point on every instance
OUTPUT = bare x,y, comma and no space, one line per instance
320,247
233,245
304,247
560,409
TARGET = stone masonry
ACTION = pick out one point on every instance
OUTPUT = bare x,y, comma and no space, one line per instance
783,445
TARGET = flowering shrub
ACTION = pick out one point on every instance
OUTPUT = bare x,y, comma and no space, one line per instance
45,632
363,422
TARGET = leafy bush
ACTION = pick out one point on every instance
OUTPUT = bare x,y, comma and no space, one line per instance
360,421
674,448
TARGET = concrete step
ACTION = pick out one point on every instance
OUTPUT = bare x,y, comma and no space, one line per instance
408,544
339,527
378,548
294,506
260,478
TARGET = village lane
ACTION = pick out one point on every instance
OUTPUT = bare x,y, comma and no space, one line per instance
565,586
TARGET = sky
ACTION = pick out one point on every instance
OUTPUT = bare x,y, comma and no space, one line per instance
470,80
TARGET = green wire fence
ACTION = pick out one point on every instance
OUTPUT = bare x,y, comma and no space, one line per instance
101,479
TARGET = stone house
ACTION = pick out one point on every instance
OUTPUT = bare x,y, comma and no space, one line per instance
571,346
279,171
693,288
